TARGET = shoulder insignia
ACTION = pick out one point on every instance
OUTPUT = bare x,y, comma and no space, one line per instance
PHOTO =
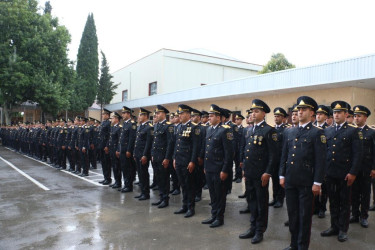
318,128
204,125
229,135
352,125
120,126
150,124
236,128
360,135
323,138
225,126
197,131
171,129
274,136
194,123
134,126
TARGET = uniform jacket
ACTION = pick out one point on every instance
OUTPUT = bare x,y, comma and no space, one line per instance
186,144
127,137
162,147
143,140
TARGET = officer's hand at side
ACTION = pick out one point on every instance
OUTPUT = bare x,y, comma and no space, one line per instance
165,163
117,154
106,150
316,190
92,146
372,174
83,150
63,147
223,176
174,164
282,182
128,154
191,167
200,161
350,179
241,164
265,178
69,148
144,160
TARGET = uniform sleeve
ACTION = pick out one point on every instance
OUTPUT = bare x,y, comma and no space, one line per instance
373,147
320,156
150,138
195,141
284,154
271,140
242,145
170,142
132,135
357,151
227,140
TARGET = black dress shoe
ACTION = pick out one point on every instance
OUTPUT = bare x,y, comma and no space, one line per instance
250,233
272,203
164,204
245,211
144,197
342,236
278,204
290,248
116,186
106,182
176,192
242,196
138,196
239,180
205,187
189,213
153,185
84,174
329,232
286,223
197,199
235,179
155,188
322,214
72,170
208,221
101,182
257,238
363,223
126,190
181,210
217,223
353,219
372,208
157,203
229,191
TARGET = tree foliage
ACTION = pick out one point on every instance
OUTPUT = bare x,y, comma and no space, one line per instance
276,63
106,88
88,63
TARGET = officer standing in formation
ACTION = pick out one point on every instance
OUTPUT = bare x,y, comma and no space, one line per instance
104,132
112,145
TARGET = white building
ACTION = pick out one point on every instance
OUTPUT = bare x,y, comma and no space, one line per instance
167,71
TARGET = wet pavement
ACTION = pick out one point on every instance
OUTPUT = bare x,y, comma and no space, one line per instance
78,213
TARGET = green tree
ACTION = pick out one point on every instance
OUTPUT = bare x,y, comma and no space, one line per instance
88,63
33,57
106,88
276,63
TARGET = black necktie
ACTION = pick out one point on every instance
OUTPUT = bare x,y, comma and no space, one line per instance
338,127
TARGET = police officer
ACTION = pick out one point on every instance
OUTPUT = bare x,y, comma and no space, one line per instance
362,184
84,135
68,139
76,164
350,117
279,115
93,143
113,141
259,159
239,133
142,152
344,143
61,138
125,149
302,171
104,131
161,152
175,190
320,202
218,163
185,159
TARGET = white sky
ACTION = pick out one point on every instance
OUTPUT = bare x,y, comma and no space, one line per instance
306,32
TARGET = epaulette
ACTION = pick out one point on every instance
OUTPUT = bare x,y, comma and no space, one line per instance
168,123
202,124
132,121
352,125
317,127
150,124
225,126
194,123
120,126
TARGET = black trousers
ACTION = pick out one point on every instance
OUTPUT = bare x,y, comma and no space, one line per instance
200,180
218,193
106,165
116,168
128,170
144,176
237,168
85,161
320,201
339,203
62,158
187,183
373,190
163,180
175,180
156,173
278,192
92,157
77,155
71,158
258,203
361,194
299,200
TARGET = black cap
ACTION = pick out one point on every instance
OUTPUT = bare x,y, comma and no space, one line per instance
294,108
160,108
340,106
183,108
359,109
91,119
144,111
259,104
204,113
115,114
214,109
323,109
126,110
62,120
70,120
83,119
306,101
196,112
226,112
239,116
280,111
107,111
351,112
97,121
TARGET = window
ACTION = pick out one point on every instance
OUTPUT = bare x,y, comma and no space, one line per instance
152,88
124,95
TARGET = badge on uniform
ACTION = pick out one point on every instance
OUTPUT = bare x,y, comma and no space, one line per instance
87,130
197,131
229,136
152,132
134,126
260,140
236,129
323,139
170,129
360,135
274,136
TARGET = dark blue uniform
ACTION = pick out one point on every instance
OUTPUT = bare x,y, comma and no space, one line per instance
104,131
113,141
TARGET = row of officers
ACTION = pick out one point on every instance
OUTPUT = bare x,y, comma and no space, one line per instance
308,162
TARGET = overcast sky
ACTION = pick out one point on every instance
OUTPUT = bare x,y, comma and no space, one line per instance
306,32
